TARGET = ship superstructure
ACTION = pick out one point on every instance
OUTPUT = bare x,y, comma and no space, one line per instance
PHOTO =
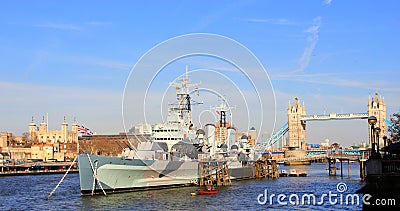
172,156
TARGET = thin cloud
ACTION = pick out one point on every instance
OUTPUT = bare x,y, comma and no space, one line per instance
312,39
99,23
274,21
63,26
94,105
112,64
327,2
60,26
329,79
86,60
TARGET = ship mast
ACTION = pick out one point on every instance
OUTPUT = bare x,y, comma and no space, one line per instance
221,111
183,98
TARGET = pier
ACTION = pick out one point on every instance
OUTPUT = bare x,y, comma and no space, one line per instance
267,169
214,172
36,169
333,161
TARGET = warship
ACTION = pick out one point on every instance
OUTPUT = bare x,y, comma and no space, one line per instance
172,155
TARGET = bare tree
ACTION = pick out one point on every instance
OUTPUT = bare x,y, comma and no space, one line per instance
26,138
25,135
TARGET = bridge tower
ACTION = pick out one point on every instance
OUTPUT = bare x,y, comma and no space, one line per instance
377,108
297,128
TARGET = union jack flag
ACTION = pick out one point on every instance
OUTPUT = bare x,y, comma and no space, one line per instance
84,131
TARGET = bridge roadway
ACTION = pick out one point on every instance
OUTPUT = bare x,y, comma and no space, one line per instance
285,128
321,156
332,116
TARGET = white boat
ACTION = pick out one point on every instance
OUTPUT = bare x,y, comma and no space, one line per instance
283,173
293,173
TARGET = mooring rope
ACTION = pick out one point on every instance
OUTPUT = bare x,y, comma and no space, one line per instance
62,179
95,178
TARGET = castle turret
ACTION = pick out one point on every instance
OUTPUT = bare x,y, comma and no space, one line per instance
43,126
74,137
64,129
32,131
75,126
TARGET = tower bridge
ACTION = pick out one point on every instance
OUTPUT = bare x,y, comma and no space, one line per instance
297,119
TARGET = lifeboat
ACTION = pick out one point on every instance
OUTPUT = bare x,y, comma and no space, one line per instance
208,191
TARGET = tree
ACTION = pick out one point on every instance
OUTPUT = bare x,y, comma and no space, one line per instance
394,128
335,145
26,136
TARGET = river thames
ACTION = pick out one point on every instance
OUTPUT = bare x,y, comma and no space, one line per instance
29,193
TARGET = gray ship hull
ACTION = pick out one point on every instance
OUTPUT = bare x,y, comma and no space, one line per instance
116,174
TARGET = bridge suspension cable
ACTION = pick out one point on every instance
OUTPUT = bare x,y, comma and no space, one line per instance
274,137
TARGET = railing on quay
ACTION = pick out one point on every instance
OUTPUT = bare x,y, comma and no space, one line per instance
390,166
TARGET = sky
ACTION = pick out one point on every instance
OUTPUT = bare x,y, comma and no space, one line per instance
74,59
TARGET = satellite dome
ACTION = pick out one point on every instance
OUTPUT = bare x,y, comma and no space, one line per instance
234,147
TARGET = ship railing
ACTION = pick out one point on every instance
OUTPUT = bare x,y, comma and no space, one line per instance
207,157
390,166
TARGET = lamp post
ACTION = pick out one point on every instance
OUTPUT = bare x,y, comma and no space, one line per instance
371,121
377,131
384,143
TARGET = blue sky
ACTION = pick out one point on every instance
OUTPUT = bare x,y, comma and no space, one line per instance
73,58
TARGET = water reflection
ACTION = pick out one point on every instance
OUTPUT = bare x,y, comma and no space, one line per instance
29,192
